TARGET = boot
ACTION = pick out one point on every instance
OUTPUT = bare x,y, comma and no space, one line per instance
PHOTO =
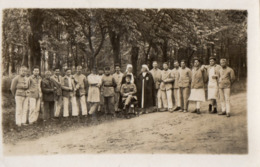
198,111
195,111
215,110
210,107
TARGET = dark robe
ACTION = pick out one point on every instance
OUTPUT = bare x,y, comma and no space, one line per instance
120,104
149,90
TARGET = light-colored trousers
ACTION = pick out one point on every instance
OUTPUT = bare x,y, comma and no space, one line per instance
57,106
93,107
83,104
184,95
21,110
177,97
34,111
225,99
165,99
66,101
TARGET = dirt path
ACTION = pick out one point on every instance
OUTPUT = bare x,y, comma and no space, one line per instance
152,133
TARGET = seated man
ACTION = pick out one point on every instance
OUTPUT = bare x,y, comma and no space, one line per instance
128,91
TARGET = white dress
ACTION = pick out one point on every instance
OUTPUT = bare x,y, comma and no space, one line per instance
94,91
212,85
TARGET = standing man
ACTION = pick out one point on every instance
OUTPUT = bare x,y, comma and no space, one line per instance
166,88
156,73
35,95
197,85
108,86
81,91
94,83
145,89
69,87
48,89
226,78
19,88
176,89
101,104
56,79
184,85
212,70
118,75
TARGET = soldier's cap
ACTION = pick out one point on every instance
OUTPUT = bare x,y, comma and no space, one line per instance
117,65
67,69
223,57
196,58
212,57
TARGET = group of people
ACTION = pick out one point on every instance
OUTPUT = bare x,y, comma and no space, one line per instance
111,93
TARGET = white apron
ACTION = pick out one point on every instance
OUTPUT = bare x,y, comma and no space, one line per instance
93,91
212,85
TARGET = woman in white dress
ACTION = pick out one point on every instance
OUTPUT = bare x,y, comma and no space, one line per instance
197,85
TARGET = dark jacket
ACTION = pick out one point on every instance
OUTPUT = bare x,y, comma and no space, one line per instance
148,88
47,87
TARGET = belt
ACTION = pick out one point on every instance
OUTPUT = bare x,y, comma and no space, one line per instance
108,86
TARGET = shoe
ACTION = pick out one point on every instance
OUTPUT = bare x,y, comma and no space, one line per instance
195,111
222,113
171,110
228,115
198,111
177,109
25,124
210,107
214,111
185,111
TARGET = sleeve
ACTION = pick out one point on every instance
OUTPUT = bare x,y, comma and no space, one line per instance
45,88
13,85
114,82
122,90
189,74
63,85
232,76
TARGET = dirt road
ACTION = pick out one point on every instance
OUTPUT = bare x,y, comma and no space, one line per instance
151,133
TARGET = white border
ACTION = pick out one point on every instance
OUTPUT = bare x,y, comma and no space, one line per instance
252,159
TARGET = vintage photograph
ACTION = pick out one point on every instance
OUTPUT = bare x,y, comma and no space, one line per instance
124,81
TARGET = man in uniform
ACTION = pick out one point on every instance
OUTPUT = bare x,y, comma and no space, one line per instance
81,91
69,88
108,86
156,73
35,95
18,88
226,78
165,92
118,75
184,85
56,79
176,90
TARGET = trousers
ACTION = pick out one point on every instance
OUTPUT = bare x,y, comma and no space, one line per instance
177,97
93,107
34,111
83,105
165,97
225,99
117,95
109,103
21,110
73,101
184,95
57,106
48,110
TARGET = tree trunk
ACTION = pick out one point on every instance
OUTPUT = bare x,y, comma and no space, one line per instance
36,20
115,43
10,49
134,58
164,50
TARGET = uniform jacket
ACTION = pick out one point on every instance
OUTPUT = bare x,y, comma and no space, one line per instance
156,73
176,76
168,77
82,82
68,83
118,80
108,85
197,81
19,86
128,88
185,77
226,77
35,87
47,87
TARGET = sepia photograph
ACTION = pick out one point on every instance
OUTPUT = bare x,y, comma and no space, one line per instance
124,81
